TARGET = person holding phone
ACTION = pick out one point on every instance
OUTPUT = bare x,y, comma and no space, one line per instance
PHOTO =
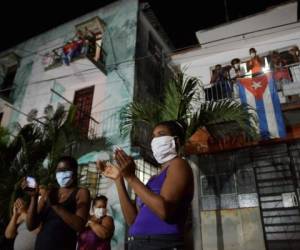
162,204
17,230
62,213
99,229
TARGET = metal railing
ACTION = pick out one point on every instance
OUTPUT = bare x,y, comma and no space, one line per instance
56,57
107,123
286,78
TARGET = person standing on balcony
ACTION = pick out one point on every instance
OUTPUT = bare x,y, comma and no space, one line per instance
236,71
68,50
62,213
99,229
255,64
295,54
17,230
162,207
83,41
220,84
294,69
280,72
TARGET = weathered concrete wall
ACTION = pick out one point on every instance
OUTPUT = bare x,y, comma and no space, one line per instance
112,90
230,215
241,228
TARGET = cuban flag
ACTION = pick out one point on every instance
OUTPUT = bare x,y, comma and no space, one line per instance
261,94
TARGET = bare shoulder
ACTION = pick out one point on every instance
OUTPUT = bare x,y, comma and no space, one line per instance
179,165
108,218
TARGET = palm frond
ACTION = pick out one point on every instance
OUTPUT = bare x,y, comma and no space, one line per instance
136,112
224,118
179,93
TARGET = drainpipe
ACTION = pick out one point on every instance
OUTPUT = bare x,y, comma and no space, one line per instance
196,209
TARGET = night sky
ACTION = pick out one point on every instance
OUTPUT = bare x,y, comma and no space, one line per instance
180,19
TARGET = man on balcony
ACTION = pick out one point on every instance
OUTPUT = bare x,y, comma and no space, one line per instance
294,60
280,71
220,85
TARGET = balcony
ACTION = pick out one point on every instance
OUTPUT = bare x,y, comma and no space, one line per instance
74,51
287,80
102,123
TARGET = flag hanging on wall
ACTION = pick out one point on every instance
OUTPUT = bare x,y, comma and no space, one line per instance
261,94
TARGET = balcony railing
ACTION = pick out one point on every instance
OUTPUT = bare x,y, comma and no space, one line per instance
104,123
287,80
57,57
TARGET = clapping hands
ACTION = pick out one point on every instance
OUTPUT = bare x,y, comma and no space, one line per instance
125,166
108,170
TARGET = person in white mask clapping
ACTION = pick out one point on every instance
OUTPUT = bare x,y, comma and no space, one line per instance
99,229
62,211
157,220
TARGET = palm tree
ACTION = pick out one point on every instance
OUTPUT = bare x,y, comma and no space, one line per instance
36,147
18,158
25,154
183,102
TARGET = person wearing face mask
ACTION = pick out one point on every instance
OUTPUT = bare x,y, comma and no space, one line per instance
255,64
62,213
99,229
17,230
158,218
236,70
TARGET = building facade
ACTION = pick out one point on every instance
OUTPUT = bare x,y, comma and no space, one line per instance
248,195
97,62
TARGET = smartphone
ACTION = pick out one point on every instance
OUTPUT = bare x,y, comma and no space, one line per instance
31,182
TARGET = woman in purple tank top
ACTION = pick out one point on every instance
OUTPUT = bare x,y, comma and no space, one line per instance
157,221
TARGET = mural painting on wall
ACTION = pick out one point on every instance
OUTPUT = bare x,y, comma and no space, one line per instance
86,42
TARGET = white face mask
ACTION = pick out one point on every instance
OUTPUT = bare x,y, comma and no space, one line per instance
63,178
236,65
99,212
163,148
252,55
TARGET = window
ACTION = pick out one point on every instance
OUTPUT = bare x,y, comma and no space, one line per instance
208,185
8,82
222,184
227,184
246,181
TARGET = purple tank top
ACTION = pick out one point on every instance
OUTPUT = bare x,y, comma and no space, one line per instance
88,240
148,223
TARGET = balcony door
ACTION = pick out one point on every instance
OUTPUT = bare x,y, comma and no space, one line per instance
83,100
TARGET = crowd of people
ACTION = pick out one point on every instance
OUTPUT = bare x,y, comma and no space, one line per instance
223,79
59,217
